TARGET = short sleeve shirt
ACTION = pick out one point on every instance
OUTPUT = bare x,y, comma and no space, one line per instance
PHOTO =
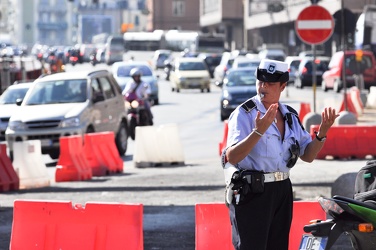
271,153
142,91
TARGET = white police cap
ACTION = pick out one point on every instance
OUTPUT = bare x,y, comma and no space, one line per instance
272,71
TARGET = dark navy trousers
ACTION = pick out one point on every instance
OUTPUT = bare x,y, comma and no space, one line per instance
263,220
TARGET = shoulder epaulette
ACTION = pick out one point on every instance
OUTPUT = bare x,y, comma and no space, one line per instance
288,117
248,105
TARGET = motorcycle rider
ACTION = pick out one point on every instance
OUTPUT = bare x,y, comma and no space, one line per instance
140,88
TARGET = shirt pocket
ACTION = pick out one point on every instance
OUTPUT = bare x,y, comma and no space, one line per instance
268,146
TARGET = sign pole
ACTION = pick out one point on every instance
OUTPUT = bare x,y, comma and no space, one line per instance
314,77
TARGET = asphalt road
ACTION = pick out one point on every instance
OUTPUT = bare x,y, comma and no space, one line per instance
169,192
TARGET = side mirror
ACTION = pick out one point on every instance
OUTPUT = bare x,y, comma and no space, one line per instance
19,101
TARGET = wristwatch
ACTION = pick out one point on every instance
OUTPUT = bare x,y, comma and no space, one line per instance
320,139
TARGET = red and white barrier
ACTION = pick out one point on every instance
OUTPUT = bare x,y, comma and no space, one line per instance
29,165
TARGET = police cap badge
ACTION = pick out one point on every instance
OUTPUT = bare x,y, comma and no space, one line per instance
272,71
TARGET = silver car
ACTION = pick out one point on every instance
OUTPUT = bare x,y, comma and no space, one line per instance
8,106
70,103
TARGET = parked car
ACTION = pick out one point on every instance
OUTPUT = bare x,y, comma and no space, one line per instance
333,77
274,54
303,77
293,62
243,61
70,103
212,60
159,58
121,70
239,85
8,107
189,73
226,63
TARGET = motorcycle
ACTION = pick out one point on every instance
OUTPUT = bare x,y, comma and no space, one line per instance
93,59
352,217
137,113
167,68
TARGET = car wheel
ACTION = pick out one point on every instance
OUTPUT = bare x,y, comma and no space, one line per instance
121,139
202,90
54,154
156,101
177,90
208,90
132,128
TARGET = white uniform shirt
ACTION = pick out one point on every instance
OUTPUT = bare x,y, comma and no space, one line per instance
142,91
271,153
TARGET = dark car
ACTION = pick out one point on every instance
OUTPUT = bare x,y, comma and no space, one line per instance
238,86
305,71
212,60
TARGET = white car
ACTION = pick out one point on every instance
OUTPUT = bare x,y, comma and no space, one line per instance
242,62
293,62
69,103
190,73
121,70
8,99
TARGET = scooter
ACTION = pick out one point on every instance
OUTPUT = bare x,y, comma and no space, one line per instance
352,217
167,68
137,113
93,59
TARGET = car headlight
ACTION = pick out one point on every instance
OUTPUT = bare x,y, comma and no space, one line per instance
17,125
227,95
70,122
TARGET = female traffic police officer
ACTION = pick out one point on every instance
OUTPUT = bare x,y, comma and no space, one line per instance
265,139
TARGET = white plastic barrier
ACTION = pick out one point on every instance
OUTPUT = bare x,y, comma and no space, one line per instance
29,165
158,145
371,99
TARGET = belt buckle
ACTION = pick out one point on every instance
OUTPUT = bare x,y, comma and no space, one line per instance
278,176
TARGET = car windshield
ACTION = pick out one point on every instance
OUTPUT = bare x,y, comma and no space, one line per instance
11,95
240,78
191,66
68,91
123,71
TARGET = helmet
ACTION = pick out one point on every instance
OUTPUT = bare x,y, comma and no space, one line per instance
135,72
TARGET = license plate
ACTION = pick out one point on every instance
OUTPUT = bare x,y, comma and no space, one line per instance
45,143
310,242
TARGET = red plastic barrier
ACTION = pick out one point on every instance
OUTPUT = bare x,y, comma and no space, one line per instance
350,105
305,108
303,213
348,141
222,145
213,227
72,164
101,148
92,152
355,97
9,179
58,225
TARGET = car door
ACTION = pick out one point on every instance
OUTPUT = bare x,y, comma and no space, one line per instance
98,111
112,104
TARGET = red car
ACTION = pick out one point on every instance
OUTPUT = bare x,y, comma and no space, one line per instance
332,78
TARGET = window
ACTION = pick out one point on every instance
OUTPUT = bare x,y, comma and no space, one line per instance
178,7
107,88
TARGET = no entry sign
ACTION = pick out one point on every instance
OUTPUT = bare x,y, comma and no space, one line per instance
314,25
